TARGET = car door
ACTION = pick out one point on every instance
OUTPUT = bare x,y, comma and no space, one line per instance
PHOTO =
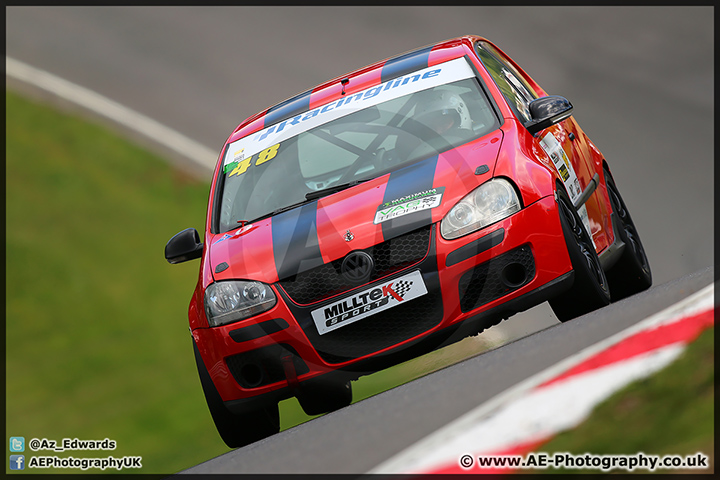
563,142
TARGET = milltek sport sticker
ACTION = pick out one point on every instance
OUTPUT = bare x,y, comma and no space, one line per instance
369,302
409,204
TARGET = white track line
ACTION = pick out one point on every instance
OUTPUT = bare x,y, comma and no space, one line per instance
156,132
407,460
543,412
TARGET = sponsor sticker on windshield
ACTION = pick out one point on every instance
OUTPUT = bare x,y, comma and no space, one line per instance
369,302
240,162
430,77
408,204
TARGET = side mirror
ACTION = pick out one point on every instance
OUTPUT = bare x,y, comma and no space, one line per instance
548,111
184,246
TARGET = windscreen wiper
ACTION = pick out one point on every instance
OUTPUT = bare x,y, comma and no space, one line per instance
279,210
333,189
308,197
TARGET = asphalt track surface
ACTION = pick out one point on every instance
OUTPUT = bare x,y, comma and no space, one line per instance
640,78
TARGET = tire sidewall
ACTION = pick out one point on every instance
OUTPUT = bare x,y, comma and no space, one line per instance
630,256
235,430
588,292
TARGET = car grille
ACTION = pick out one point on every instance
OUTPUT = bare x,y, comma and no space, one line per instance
393,258
484,283
378,331
326,280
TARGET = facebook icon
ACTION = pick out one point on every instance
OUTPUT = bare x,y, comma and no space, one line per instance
17,462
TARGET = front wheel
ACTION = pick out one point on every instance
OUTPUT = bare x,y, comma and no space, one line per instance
236,430
318,396
590,287
631,274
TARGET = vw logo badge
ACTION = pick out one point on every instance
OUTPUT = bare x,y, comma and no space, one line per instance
348,236
357,267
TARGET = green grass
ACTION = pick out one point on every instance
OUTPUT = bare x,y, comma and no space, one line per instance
97,337
96,324
669,413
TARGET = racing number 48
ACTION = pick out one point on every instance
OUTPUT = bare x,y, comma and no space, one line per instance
242,165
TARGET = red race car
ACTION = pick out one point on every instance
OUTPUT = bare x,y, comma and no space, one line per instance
386,213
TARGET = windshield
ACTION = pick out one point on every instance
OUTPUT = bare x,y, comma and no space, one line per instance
359,137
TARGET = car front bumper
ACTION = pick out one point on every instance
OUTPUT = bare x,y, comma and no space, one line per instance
472,282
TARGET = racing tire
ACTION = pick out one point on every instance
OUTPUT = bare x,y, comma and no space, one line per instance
318,396
236,430
631,274
590,289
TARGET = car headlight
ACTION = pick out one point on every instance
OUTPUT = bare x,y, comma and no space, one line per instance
490,202
230,301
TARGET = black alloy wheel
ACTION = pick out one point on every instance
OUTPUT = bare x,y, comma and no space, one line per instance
631,274
590,289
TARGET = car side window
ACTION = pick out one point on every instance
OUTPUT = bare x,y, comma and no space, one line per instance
513,87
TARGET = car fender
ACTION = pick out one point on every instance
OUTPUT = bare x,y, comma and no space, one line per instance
523,160
196,312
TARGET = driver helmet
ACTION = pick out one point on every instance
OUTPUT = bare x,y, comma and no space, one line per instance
443,111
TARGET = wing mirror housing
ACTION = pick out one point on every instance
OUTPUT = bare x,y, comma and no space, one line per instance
184,246
547,111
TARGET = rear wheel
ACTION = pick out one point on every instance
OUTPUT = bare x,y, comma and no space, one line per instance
590,287
631,274
236,430
318,396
